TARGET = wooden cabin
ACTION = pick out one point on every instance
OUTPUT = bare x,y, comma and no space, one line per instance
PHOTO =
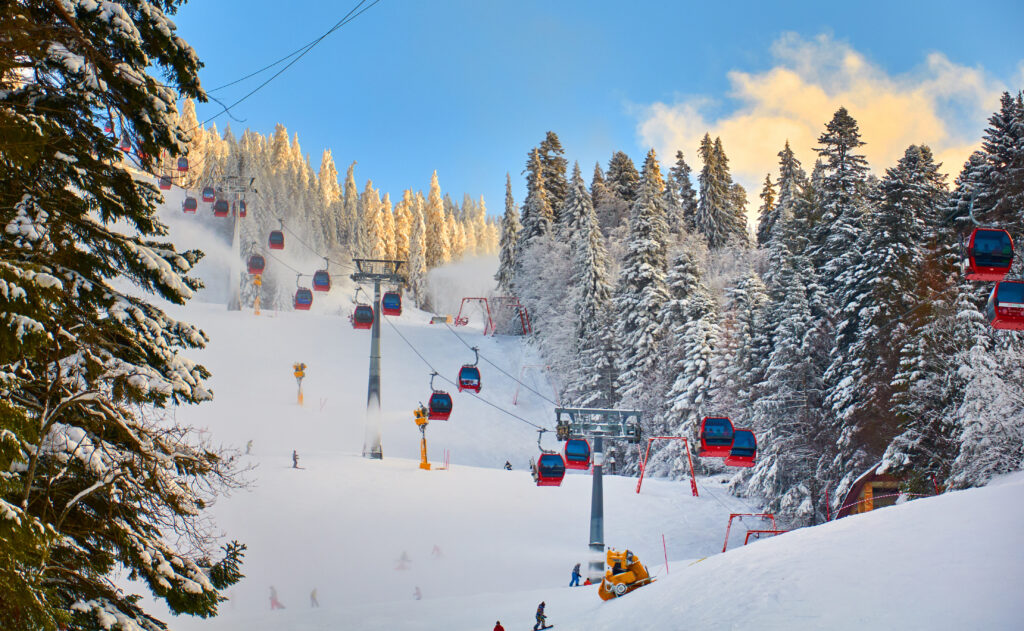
870,491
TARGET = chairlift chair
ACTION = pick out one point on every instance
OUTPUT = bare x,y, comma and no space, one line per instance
744,449
256,264
577,454
209,194
391,303
716,437
190,205
1005,308
220,208
989,254
182,164
303,299
362,317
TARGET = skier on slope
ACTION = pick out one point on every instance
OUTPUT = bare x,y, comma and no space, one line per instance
508,466
575,582
498,627
295,459
274,602
541,619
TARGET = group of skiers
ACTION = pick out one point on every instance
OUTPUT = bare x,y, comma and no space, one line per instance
275,602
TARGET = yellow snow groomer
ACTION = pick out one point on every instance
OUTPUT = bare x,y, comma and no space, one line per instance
624,574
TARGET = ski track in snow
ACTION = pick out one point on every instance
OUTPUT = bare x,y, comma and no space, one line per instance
341,523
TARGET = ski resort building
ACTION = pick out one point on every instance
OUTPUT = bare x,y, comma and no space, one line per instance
870,491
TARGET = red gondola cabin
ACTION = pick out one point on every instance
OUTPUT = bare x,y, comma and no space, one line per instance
221,208
183,164
744,449
165,183
209,194
1005,308
190,205
391,303
550,470
276,240
989,254
321,280
126,145
577,454
303,299
716,437
469,378
440,406
256,264
362,318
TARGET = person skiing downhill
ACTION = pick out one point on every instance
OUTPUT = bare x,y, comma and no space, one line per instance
541,618
575,582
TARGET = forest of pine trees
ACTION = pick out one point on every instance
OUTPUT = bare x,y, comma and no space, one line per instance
839,327
340,220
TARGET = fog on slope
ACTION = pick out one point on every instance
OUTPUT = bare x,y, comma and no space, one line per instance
472,277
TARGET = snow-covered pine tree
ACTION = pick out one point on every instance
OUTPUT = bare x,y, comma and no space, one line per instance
438,244
329,198
714,219
591,293
880,289
418,254
403,225
673,210
622,178
350,212
537,213
641,288
94,485
371,225
509,237
577,203
742,353
598,188
387,223
680,177
768,212
552,158
841,198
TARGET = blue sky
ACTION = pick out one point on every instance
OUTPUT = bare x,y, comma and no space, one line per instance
468,87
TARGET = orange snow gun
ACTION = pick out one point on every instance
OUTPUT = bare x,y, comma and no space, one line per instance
624,574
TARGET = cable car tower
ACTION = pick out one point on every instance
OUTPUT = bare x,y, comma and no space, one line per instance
596,424
375,271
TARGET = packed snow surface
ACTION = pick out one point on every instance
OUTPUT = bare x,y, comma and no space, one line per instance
482,544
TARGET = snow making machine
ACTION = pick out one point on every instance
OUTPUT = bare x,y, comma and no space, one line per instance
624,574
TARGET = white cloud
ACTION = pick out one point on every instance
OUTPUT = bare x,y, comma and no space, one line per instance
941,104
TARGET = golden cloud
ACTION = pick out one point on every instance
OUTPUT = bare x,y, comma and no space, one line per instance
941,104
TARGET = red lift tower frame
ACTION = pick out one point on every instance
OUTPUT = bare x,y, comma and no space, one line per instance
774,529
463,321
686,444
501,303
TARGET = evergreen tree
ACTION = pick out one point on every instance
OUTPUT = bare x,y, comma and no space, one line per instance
371,225
403,225
642,290
438,245
95,485
509,237
577,203
418,254
350,211
330,197
715,218
768,212
387,222
552,159
538,215
680,177
598,188
622,178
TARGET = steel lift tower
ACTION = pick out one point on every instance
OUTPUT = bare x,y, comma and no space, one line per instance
596,424
375,271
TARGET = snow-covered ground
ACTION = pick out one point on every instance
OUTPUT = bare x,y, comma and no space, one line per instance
341,523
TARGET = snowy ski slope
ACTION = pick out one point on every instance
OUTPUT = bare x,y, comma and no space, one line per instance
341,523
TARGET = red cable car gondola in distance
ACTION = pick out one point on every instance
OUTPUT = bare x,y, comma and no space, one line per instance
716,437
220,208
276,240
126,145
989,254
550,469
165,183
209,194
391,303
183,164
440,406
190,205
744,449
1005,308
362,317
321,280
256,264
577,454
303,299
469,374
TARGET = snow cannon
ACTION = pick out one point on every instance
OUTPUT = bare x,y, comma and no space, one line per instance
624,574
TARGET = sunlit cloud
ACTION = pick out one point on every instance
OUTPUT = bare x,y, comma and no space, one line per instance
940,103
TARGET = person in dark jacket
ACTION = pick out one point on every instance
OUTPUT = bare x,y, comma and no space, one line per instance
541,618
498,627
575,582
